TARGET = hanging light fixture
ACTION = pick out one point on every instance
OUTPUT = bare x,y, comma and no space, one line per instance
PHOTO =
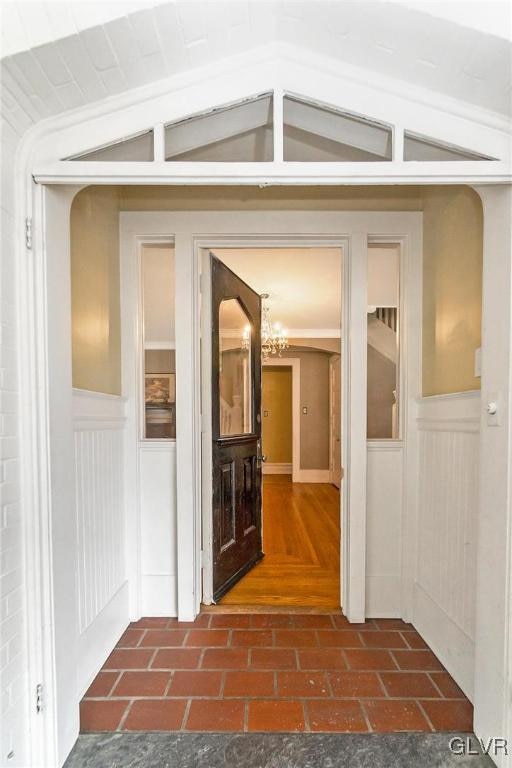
274,339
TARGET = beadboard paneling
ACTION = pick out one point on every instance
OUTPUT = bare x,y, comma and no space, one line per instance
444,603
98,424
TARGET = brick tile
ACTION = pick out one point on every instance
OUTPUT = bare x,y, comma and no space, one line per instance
420,660
341,622
102,684
150,623
386,715
295,638
447,685
450,715
177,658
204,638
383,639
321,658
202,621
142,684
130,638
249,684
271,620
341,716
302,684
195,683
402,626
414,640
129,658
356,684
367,658
340,638
409,685
275,716
311,621
101,715
155,715
163,638
230,620
273,658
251,637
225,658
216,715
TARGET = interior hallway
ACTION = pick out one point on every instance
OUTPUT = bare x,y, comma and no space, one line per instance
301,541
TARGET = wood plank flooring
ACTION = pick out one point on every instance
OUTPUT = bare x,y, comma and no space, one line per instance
301,541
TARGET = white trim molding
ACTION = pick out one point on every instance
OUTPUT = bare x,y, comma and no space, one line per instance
294,364
277,469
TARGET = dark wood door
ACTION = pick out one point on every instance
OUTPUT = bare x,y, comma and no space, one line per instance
236,427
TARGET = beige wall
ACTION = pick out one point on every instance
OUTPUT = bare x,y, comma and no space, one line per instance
381,383
160,361
452,288
277,414
452,273
314,395
95,305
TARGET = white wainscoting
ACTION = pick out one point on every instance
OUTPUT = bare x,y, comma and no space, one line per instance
102,588
157,466
444,590
384,504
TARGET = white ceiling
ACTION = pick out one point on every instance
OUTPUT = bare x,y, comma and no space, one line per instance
304,283
59,56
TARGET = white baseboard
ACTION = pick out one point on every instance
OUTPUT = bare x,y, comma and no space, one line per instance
314,476
454,648
98,640
277,469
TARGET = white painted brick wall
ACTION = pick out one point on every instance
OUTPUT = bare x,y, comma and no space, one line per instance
63,62
13,660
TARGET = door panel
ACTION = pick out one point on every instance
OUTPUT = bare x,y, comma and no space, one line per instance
236,427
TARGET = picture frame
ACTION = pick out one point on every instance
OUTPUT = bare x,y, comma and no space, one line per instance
159,389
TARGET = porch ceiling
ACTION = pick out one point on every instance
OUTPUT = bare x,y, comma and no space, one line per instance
67,64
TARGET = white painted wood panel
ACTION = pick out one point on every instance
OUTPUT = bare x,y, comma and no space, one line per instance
102,593
157,463
384,506
444,591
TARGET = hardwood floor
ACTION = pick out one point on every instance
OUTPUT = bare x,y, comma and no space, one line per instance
301,541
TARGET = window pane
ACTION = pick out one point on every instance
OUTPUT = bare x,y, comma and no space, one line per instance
235,388
423,149
315,133
383,342
238,133
159,362
135,149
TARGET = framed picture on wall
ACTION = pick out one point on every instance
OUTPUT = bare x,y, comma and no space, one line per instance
160,388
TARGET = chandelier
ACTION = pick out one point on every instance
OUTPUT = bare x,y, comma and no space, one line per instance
274,338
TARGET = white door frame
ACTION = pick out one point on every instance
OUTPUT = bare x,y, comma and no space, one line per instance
332,363
350,230
273,237
294,364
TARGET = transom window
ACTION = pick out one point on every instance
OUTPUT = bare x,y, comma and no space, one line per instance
244,132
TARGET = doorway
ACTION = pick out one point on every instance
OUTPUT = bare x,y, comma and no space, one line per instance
293,487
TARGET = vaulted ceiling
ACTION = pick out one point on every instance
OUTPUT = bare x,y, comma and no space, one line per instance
58,61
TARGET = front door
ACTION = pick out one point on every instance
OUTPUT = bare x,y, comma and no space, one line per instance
236,427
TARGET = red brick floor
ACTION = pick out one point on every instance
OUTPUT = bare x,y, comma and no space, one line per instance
273,672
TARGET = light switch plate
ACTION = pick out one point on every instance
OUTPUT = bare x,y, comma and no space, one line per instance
493,401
